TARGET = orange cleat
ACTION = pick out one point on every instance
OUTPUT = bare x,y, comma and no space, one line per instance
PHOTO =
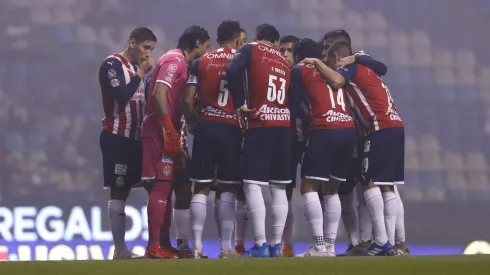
240,249
287,251
158,252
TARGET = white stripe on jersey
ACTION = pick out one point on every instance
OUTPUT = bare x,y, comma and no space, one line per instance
366,105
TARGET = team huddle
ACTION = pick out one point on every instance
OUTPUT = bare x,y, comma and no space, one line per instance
242,117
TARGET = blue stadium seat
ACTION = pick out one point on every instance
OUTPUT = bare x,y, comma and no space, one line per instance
456,186
63,34
399,75
422,76
467,93
411,189
432,185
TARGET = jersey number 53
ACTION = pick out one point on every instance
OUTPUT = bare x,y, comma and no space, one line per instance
273,93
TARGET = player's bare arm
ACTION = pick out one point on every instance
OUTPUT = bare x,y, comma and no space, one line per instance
190,106
335,79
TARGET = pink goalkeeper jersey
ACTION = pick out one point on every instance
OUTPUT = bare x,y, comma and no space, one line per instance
171,70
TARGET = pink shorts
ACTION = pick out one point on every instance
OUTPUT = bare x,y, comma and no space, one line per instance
156,165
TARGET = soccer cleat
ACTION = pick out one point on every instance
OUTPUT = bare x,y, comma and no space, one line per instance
402,249
287,251
184,251
240,249
227,254
158,252
124,254
197,254
357,250
315,251
275,250
258,251
377,250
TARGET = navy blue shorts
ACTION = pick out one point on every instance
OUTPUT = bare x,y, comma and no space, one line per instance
216,147
121,159
297,151
384,157
266,155
328,153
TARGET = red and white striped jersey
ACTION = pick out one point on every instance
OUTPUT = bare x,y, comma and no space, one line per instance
123,96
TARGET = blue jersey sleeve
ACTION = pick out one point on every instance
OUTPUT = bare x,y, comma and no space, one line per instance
234,74
296,94
193,73
348,72
111,76
378,67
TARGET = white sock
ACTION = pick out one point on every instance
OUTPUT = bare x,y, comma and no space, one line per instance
400,220
227,218
216,207
287,236
241,222
198,214
375,205
117,218
331,220
256,211
279,209
391,209
365,223
314,216
349,217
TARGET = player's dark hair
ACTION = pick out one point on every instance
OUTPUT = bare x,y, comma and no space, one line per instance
142,34
341,48
288,39
188,39
228,30
307,48
243,30
267,32
338,35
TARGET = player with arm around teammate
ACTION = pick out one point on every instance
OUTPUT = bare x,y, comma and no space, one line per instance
160,134
328,149
266,150
383,154
217,138
121,79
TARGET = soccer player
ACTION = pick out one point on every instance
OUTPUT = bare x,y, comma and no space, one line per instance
383,154
328,150
121,79
160,134
266,149
299,129
243,37
217,138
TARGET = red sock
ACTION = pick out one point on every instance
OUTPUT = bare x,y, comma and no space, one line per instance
158,201
165,229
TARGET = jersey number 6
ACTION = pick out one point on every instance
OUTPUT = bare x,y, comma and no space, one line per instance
273,93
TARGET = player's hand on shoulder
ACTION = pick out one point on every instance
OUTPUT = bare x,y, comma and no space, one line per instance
346,61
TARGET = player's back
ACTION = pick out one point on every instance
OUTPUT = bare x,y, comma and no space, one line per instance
373,101
268,78
214,100
328,107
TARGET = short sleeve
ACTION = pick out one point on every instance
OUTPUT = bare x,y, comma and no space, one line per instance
169,71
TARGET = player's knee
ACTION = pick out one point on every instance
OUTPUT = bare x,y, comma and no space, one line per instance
331,187
309,185
226,188
201,188
387,188
119,193
251,187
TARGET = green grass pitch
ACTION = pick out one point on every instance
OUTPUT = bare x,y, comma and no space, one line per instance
447,265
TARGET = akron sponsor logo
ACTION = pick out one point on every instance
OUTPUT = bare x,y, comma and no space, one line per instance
332,116
267,113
